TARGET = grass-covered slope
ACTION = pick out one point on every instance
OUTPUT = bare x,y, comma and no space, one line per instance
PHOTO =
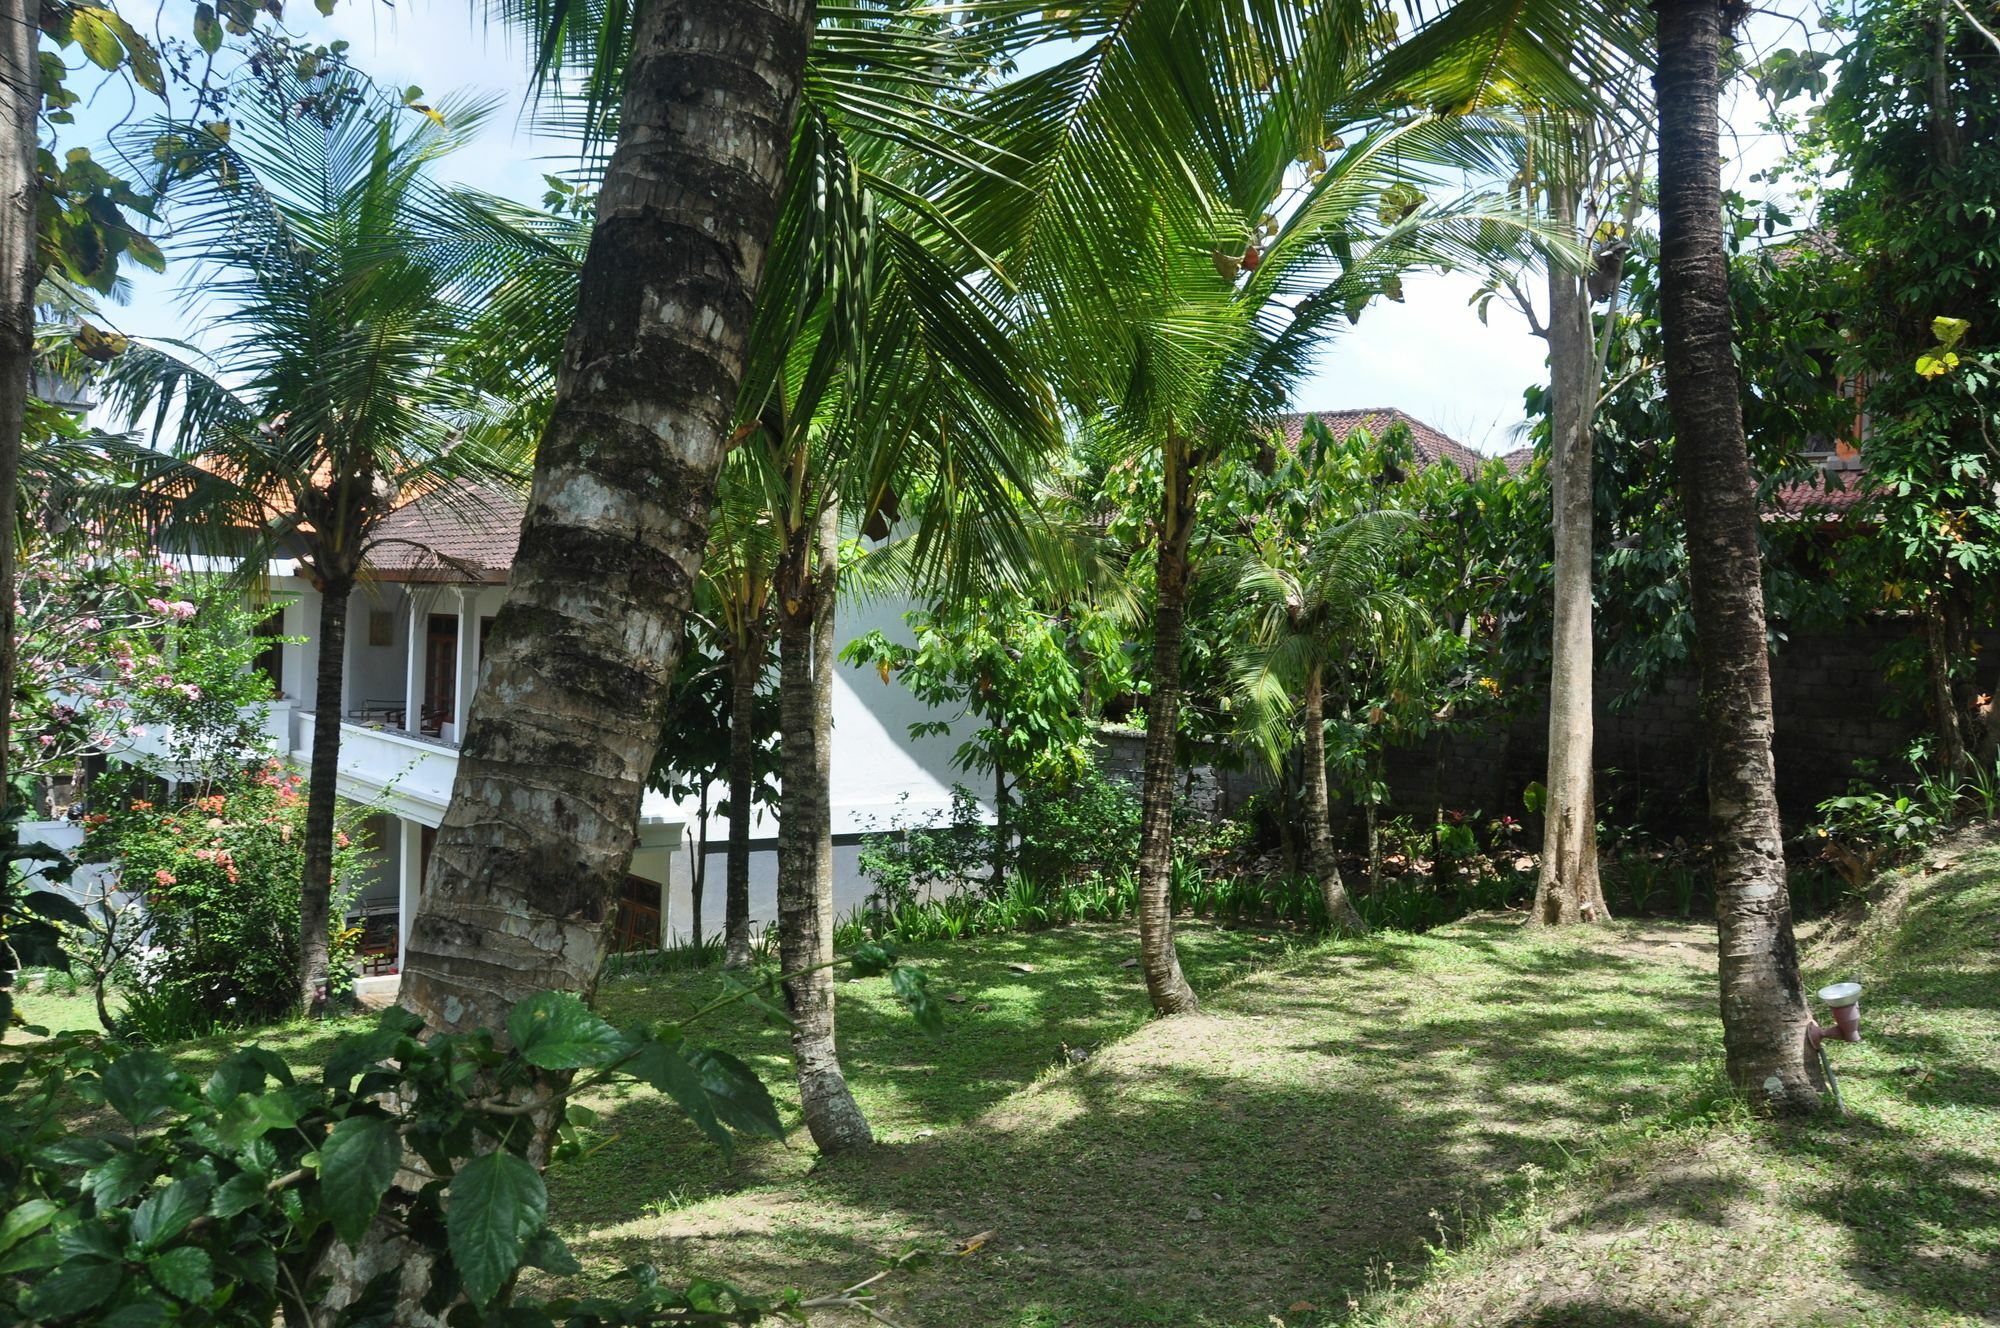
1890,1216
1304,1139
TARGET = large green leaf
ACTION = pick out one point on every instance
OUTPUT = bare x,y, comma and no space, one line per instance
184,1273
555,1030
71,1290
736,1095
357,1164
662,1065
165,1213
496,1204
141,1085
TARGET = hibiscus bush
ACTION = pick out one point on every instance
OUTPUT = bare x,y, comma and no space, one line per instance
218,880
119,644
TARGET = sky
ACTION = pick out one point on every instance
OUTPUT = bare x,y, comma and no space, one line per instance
1430,355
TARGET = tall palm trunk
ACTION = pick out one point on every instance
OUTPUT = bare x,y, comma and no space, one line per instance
1763,1007
805,845
322,789
535,846
20,104
1569,890
1340,913
1157,956
746,665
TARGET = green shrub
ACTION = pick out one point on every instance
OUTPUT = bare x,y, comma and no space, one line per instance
1085,826
220,877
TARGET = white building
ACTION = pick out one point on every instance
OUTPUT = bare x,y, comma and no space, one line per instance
416,629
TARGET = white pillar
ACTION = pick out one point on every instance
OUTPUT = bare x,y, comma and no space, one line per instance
468,659
409,883
413,679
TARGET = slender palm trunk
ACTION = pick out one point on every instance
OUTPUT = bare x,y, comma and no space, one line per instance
544,812
20,103
805,851
1763,1006
1569,890
698,872
1340,913
1157,956
322,791
746,665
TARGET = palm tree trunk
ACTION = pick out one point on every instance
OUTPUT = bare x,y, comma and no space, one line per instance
1340,912
20,104
1763,1005
322,792
746,664
543,819
1569,890
1157,956
698,872
805,848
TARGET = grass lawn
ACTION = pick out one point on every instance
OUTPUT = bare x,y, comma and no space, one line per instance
1478,1126
1327,1117
1889,1217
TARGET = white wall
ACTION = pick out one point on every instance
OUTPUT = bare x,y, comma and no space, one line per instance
377,673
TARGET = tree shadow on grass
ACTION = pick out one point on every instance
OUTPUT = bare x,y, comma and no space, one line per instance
1335,1118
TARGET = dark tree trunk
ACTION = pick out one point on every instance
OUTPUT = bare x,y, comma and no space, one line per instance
1763,1005
1569,890
805,847
746,667
1340,913
698,873
322,790
534,848
1952,755
1157,956
20,105
1000,829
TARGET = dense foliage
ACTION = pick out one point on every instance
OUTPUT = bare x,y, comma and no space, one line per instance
222,1202
217,880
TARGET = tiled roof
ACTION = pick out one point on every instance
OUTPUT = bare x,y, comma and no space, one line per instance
466,532
1430,445
1837,493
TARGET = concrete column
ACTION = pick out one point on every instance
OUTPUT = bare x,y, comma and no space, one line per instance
413,681
468,658
409,883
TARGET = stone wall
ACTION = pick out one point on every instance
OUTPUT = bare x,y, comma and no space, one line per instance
1829,696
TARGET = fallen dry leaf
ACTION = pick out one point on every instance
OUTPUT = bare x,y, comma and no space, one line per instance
1021,968
971,1243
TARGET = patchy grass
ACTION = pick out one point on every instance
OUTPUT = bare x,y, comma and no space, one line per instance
1888,1217
1483,1125
1327,1118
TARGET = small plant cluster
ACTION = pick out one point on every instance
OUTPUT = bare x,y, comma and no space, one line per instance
1070,829
222,1202
1867,828
214,940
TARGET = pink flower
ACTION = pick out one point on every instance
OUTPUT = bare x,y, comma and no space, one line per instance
165,877
157,605
341,839
92,624
48,740
181,610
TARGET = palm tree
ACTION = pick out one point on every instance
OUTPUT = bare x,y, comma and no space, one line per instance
1219,307
737,575
20,111
887,382
1764,1012
320,249
1317,607
690,201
